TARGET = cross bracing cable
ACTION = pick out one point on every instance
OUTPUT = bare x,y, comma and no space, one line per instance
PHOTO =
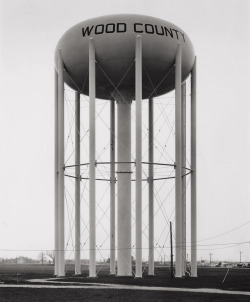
123,77
103,171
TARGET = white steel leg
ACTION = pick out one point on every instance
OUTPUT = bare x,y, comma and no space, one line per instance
61,256
193,175
151,186
77,186
178,168
92,193
138,100
56,175
183,121
112,187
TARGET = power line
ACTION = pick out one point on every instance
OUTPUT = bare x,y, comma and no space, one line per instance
236,228
208,245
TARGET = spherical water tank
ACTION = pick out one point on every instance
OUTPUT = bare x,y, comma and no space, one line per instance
114,39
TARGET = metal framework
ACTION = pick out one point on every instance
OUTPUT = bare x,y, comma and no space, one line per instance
123,181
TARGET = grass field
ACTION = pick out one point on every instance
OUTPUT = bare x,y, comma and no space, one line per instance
90,295
237,279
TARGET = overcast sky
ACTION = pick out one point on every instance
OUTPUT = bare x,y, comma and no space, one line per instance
220,32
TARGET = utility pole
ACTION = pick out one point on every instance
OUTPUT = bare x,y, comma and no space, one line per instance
240,255
210,258
171,257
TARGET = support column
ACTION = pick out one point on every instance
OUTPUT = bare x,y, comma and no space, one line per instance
183,122
112,187
151,186
61,256
138,100
178,168
193,175
124,187
56,176
92,197
77,186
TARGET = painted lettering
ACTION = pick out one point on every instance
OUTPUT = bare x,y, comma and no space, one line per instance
97,31
159,33
121,27
169,31
149,29
110,28
182,36
87,31
176,32
136,30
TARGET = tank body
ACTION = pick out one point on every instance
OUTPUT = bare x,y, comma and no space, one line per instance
114,38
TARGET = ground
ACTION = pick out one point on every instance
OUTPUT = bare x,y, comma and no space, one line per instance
237,279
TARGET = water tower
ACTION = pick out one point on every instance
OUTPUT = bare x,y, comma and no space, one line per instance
124,59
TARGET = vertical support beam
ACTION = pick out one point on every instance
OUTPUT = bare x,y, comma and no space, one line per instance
92,196
138,99
77,186
183,122
193,174
112,187
151,186
56,175
124,188
61,256
178,168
